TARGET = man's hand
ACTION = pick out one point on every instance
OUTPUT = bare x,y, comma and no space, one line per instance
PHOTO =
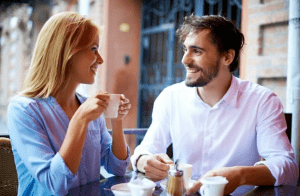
232,174
155,167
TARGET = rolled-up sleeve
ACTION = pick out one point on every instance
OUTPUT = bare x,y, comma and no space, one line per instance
31,143
273,143
110,162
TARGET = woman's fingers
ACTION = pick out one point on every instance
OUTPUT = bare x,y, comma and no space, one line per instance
124,105
102,102
102,96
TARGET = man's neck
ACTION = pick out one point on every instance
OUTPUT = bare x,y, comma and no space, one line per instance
213,92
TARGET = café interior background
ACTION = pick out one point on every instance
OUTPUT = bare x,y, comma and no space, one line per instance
140,51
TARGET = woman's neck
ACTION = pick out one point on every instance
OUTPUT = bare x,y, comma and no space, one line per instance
68,101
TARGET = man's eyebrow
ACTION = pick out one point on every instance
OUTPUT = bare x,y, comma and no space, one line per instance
196,47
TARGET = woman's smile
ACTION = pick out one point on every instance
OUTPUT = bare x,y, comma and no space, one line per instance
94,68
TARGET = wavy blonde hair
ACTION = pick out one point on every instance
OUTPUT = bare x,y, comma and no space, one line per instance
61,37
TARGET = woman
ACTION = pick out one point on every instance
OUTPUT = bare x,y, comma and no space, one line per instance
59,137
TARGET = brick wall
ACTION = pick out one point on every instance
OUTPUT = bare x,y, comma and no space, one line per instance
267,43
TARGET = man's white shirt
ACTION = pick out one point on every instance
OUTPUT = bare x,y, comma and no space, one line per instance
246,124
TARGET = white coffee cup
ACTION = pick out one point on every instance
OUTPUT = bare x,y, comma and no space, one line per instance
213,186
187,173
140,187
113,106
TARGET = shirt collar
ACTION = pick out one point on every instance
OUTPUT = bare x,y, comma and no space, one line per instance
230,96
233,93
52,100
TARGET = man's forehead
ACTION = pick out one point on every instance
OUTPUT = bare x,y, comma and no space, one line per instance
197,35
201,32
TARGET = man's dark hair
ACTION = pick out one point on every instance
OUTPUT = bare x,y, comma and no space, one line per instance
224,34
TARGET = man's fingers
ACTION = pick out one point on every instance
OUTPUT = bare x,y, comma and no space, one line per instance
155,169
196,186
158,164
164,158
155,176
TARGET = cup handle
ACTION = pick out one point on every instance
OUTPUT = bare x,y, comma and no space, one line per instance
202,188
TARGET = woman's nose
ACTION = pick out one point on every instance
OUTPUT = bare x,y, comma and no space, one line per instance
99,59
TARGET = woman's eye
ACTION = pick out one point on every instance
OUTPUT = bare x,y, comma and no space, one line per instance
94,49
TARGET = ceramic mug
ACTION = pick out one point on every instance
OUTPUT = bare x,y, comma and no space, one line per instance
187,173
145,187
113,106
213,186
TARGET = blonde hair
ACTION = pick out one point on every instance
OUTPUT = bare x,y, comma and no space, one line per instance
61,37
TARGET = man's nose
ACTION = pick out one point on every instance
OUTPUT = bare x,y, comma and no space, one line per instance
186,59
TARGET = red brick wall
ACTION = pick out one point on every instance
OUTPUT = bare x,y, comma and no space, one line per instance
265,58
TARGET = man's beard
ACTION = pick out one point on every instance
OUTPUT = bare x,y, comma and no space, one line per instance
207,75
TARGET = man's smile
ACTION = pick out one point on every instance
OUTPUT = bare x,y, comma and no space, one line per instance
192,70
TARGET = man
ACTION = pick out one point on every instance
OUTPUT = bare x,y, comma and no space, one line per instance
217,122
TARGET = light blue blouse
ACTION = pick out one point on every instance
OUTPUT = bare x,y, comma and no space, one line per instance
37,128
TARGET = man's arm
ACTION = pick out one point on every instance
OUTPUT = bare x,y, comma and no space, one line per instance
149,157
238,176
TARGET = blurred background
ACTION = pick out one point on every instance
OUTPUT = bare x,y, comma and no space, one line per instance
139,47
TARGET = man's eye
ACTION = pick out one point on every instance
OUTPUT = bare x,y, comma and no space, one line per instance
197,51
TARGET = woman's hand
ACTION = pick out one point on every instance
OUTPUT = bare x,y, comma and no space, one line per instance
124,107
94,106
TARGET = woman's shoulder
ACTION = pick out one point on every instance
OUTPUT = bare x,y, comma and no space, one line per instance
19,101
22,100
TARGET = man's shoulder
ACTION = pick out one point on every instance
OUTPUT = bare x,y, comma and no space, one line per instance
253,93
249,87
178,87
174,91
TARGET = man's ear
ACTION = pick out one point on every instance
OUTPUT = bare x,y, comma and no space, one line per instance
228,57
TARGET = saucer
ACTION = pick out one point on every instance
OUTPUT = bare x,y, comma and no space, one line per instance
121,189
163,183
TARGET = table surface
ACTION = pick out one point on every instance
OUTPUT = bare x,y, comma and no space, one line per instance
103,188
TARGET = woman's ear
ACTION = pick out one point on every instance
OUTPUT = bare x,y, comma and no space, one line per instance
228,57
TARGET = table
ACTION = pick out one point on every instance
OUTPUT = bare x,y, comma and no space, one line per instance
103,188
4,134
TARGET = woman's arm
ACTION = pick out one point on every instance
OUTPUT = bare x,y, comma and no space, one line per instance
119,147
71,149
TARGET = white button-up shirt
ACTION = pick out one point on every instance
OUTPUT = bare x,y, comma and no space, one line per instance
246,124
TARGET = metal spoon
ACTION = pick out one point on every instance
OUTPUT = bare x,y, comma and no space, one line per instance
176,164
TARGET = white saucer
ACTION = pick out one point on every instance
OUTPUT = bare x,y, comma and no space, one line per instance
121,190
163,183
